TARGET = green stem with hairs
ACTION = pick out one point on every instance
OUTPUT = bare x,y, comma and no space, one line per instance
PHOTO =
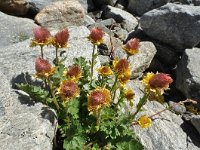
114,88
92,63
52,94
57,59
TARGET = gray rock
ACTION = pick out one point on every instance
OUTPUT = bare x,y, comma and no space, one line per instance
173,24
178,109
88,20
195,120
166,132
196,2
140,61
188,74
120,16
61,14
88,5
142,6
14,7
22,126
104,59
156,65
26,125
166,54
108,22
23,7
99,3
120,33
14,29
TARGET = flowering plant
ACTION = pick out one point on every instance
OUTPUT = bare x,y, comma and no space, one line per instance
89,107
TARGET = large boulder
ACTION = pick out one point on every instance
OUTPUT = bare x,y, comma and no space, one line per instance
188,74
120,16
173,24
23,7
14,29
26,125
14,7
61,14
167,131
140,7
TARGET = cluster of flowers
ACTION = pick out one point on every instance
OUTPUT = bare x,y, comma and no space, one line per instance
100,97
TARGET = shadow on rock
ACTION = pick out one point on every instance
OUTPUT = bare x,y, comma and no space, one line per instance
192,133
24,78
25,99
49,114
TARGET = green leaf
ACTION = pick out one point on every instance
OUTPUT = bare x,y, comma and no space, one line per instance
73,108
129,145
35,92
76,142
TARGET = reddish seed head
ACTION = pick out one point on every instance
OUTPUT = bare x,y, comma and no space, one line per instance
69,89
160,80
96,34
133,44
42,65
122,66
61,38
74,71
41,34
97,98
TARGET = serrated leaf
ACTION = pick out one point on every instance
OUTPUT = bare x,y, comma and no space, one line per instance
35,92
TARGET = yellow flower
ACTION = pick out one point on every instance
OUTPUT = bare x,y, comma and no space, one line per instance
121,66
74,72
98,98
68,89
124,78
96,36
129,94
43,68
132,46
144,121
104,71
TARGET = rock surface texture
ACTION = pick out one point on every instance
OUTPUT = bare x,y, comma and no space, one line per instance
14,30
188,74
142,6
121,16
176,25
61,14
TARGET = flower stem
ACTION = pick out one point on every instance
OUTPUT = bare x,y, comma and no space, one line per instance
52,94
92,63
174,105
57,59
141,103
98,117
168,108
114,88
41,49
127,57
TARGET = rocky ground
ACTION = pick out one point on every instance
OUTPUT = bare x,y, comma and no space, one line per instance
170,42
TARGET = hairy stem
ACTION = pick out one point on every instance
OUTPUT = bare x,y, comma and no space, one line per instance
92,63
53,94
57,59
